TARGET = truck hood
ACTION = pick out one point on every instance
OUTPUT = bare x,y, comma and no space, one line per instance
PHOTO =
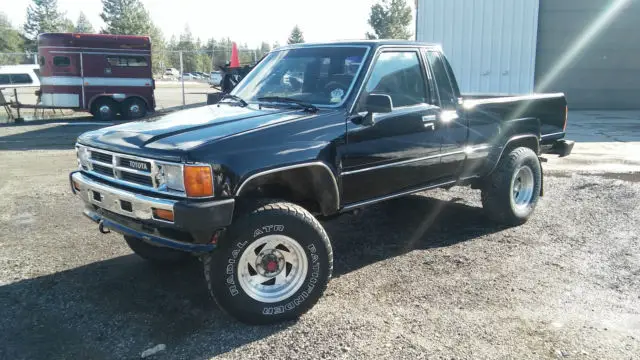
187,129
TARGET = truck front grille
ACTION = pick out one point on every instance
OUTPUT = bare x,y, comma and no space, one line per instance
129,169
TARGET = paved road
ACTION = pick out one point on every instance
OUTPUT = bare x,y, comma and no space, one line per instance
426,276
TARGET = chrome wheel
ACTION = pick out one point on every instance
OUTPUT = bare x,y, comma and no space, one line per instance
522,185
272,268
105,109
134,109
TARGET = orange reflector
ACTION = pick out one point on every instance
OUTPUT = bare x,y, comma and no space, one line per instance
76,185
198,181
163,214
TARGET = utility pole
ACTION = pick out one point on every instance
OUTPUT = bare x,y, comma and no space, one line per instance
182,78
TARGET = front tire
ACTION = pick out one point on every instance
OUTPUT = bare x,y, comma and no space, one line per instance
156,254
272,265
512,191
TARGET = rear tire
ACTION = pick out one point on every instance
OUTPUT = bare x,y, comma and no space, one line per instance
273,264
156,254
133,109
512,191
105,109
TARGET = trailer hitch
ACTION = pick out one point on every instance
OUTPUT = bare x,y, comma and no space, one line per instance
102,229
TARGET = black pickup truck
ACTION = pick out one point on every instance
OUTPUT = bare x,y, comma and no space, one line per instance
313,131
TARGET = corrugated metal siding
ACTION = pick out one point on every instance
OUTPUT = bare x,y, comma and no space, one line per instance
491,44
606,73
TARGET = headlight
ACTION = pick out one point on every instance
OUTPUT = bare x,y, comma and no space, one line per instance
83,157
171,177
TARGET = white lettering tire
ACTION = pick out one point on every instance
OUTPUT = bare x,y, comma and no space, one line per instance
272,265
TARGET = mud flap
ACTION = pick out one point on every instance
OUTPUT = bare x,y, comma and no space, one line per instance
541,179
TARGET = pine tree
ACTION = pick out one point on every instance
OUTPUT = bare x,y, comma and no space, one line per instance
296,36
389,19
11,41
126,17
129,17
43,16
83,25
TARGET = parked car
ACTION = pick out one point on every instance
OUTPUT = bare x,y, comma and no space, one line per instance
215,78
172,72
242,184
188,76
19,76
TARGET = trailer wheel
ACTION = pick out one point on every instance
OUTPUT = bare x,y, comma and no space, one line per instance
104,109
134,108
273,264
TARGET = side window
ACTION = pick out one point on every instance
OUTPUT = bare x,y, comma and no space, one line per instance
21,79
4,79
41,61
127,61
399,75
443,84
62,61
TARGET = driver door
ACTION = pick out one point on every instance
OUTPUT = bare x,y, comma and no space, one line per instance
401,150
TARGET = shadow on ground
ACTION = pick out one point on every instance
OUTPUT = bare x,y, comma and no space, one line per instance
119,307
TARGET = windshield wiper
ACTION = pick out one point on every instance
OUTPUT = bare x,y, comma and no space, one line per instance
307,106
236,98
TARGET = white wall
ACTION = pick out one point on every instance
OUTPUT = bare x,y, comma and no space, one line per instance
491,44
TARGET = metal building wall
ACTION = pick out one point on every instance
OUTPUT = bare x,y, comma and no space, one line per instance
606,73
491,44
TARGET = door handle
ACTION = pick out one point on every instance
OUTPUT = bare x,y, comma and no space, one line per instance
429,122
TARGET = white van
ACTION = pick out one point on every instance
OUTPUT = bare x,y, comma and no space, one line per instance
19,76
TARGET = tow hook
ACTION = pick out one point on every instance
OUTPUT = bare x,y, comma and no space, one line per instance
102,228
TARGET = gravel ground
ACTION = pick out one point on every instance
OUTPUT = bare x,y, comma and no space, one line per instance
425,276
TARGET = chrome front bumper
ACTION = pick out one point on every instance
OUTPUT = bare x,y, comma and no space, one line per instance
118,201
131,214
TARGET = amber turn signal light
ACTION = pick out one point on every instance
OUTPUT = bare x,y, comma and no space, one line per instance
163,214
76,186
198,181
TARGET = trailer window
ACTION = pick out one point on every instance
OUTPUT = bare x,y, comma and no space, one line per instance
4,79
21,79
127,61
62,61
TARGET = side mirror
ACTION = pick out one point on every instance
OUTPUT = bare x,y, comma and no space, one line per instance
378,103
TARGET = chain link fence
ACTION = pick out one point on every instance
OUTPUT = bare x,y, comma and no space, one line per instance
182,78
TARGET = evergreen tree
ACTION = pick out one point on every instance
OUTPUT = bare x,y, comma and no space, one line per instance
83,25
390,19
11,41
129,17
296,36
43,16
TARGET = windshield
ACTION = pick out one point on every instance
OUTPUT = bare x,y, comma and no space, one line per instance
316,75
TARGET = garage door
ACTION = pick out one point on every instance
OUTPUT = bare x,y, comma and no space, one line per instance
606,74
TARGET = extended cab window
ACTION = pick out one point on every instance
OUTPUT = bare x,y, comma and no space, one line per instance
127,61
399,75
443,83
61,61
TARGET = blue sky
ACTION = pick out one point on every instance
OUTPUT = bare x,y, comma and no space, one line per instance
269,20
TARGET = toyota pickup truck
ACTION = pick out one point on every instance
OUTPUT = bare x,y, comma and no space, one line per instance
313,131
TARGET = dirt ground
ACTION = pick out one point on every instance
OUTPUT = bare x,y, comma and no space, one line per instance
425,276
